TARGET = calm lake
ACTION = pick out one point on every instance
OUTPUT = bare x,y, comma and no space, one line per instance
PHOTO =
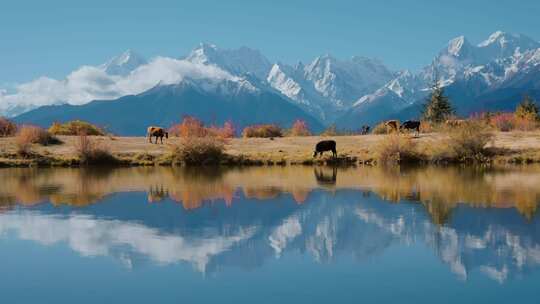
270,235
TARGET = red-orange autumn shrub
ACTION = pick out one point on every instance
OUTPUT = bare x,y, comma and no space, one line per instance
189,127
7,127
227,131
299,128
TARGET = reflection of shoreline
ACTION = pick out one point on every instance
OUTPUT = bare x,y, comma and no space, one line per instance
500,243
440,190
443,208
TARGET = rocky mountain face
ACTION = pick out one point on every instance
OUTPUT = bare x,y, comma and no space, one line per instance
491,75
213,101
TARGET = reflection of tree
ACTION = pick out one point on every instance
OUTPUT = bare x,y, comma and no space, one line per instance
442,189
438,209
264,193
347,221
157,193
438,189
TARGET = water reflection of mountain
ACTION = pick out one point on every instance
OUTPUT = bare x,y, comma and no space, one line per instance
243,218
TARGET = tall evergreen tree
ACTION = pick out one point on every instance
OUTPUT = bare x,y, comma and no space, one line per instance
437,108
527,109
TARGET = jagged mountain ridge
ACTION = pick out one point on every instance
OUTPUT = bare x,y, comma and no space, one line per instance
346,92
214,102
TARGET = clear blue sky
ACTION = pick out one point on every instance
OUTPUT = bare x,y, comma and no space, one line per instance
54,37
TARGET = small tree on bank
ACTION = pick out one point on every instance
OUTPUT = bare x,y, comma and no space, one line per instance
527,109
7,127
437,108
299,128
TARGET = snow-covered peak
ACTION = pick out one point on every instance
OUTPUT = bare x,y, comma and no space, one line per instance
123,64
500,45
236,61
508,39
498,36
203,54
282,78
406,85
371,97
457,46
222,87
344,81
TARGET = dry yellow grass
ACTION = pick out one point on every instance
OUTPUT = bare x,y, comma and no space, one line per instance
289,149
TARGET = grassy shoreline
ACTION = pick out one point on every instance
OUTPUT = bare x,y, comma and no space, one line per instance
505,148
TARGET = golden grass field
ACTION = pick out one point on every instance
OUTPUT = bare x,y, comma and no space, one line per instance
286,149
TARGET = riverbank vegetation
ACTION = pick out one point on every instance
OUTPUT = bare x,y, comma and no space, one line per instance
484,138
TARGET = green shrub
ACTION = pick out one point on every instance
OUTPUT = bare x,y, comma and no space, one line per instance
75,127
527,109
264,131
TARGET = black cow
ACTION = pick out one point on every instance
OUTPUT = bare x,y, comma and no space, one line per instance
325,145
411,125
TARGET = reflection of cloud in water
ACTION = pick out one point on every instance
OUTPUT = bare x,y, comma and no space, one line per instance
430,206
323,230
97,237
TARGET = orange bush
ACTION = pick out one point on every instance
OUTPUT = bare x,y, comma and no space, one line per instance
525,123
264,131
28,135
227,131
503,121
193,127
35,135
299,128
7,127
189,127
510,121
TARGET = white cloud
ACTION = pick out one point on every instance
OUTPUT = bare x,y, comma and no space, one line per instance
90,83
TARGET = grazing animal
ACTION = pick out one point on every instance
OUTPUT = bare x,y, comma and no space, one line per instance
411,125
392,125
325,145
157,132
365,129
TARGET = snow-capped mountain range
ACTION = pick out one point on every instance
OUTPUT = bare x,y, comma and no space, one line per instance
343,91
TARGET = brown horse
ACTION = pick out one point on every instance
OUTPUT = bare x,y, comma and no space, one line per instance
157,132
392,125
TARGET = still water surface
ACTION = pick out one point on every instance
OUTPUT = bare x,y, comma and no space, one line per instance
270,235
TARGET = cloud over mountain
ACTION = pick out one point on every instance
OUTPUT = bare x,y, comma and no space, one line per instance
346,92
94,83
